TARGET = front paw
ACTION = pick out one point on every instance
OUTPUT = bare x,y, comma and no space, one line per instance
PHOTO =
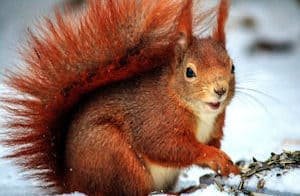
220,162
224,167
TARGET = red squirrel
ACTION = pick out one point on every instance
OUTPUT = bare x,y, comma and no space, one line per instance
120,100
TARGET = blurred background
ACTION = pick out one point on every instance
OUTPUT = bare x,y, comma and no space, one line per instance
263,39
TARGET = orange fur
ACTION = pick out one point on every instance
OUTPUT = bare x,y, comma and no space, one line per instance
70,134
186,20
219,33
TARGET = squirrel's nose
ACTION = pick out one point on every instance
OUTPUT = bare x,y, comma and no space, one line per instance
220,91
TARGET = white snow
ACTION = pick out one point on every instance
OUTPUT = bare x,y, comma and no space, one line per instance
253,128
211,190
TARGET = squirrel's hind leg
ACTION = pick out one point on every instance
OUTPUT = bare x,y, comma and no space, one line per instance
100,162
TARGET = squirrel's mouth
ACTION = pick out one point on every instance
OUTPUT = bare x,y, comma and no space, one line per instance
214,105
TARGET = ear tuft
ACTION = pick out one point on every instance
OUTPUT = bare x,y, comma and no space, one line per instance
182,42
184,30
180,48
219,32
186,21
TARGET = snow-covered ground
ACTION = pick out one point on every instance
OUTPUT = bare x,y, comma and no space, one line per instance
257,123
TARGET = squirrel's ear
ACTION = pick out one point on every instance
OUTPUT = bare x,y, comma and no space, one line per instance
184,30
180,48
185,22
219,31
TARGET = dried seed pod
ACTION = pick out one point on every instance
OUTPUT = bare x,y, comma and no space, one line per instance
261,184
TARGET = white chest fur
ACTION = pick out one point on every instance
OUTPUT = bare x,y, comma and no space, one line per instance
163,177
205,127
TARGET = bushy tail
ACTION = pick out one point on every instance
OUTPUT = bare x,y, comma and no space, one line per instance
109,41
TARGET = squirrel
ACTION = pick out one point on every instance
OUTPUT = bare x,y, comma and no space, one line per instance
120,100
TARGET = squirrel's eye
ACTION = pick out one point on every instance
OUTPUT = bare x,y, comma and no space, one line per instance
190,73
232,69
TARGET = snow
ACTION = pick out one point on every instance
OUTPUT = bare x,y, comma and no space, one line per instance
282,184
274,74
210,190
253,127
277,181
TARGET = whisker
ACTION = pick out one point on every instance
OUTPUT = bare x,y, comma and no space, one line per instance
257,101
258,92
249,74
249,81
245,77
199,93
240,98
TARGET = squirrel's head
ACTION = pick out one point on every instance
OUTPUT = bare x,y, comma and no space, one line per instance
203,75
